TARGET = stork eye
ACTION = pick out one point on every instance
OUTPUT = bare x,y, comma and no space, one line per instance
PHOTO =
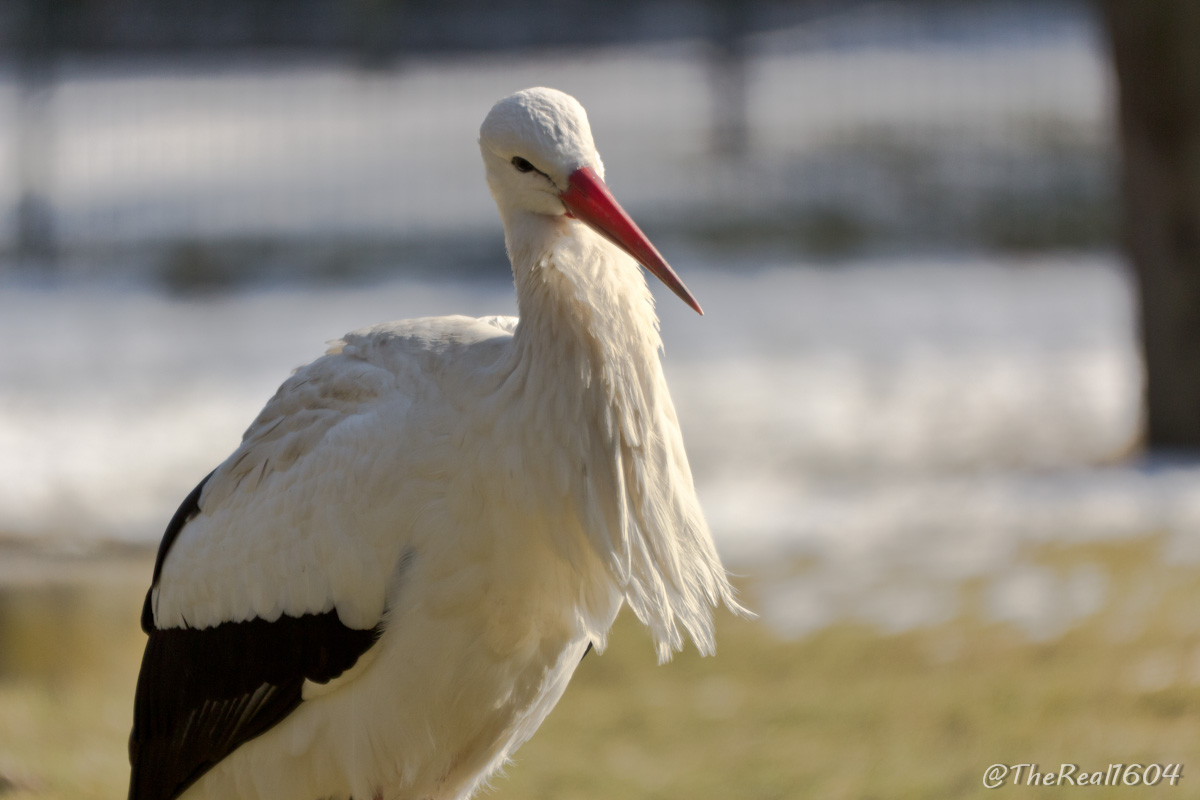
522,165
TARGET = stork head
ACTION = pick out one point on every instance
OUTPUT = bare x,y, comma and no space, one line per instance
540,159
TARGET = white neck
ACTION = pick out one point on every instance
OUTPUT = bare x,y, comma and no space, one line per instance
571,281
587,348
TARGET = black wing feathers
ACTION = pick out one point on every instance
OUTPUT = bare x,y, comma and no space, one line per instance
203,693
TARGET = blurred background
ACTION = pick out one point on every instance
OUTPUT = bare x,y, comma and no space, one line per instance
942,409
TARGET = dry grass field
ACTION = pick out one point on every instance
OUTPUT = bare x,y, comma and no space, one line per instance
847,712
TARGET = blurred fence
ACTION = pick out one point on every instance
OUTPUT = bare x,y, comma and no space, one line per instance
197,139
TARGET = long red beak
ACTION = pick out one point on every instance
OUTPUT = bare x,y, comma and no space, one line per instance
589,201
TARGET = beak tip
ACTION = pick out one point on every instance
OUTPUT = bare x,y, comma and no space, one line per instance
588,200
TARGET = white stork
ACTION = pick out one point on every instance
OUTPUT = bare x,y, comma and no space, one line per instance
385,589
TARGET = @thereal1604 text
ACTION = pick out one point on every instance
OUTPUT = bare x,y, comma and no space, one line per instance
998,775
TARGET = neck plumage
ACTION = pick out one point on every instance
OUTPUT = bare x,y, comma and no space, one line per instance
587,348
574,284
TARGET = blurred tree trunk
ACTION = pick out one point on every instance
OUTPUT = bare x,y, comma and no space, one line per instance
1156,51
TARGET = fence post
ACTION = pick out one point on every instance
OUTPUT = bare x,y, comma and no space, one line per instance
35,63
728,78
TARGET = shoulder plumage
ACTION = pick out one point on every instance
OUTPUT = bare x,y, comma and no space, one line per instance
313,400
303,516
384,363
506,324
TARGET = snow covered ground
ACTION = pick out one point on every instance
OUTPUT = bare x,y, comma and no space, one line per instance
923,419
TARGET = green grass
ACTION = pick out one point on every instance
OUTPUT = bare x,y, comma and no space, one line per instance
69,656
845,713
